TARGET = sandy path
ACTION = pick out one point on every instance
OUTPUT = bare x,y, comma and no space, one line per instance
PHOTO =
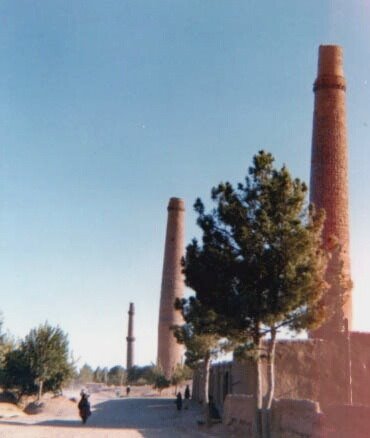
112,417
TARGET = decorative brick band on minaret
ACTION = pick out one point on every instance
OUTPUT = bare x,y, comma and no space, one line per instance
169,351
130,337
329,177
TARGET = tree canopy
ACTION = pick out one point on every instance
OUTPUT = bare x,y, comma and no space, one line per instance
201,336
40,362
116,375
260,265
260,262
86,374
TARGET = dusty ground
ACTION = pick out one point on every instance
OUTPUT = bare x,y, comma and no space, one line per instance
142,415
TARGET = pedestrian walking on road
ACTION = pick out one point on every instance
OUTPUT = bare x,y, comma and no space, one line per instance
179,401
187,397
84,407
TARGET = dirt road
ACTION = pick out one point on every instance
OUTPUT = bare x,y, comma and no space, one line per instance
112,417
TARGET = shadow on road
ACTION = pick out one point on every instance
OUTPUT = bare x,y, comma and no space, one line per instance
152,417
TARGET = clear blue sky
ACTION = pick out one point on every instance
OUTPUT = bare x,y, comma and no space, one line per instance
109,108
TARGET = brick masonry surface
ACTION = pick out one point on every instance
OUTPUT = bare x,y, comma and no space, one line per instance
329,173
170,353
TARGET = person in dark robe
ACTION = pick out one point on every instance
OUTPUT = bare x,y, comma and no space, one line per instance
84,407
187,397
179,401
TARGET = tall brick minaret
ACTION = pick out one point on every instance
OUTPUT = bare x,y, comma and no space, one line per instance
169,351
329,176
130,337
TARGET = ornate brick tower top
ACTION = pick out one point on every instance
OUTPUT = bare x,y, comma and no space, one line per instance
130,337
169,351
329,179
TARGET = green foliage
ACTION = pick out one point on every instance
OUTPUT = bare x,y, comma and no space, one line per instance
40,363
160,381
260,267
7,344
86,374
98,375
200,332
140,375
181,374
260,264
2,341
103,375
116,375
17,373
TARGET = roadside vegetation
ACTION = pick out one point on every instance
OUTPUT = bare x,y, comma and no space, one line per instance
37,364
41,362
258,268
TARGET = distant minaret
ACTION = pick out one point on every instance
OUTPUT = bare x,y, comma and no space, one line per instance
169,351
130,337
329,174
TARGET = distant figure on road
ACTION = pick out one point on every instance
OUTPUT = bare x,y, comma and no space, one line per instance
84,407
128,390
179,401
187,397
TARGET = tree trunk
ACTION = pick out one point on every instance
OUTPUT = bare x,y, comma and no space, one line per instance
271,368
205,389
39,395
270,381
258,429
